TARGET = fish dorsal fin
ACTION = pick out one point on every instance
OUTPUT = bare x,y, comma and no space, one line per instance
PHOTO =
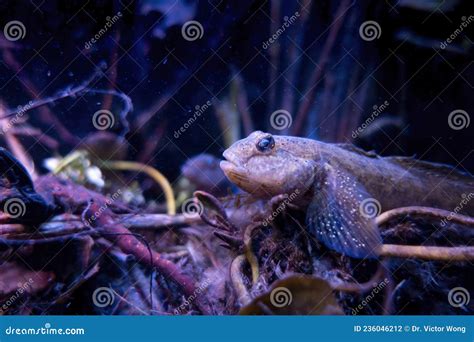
342,214
426,167
355,149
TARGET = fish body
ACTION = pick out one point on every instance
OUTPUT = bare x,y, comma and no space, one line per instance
343,187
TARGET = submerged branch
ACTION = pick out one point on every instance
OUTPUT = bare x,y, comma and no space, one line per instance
464,253
130,244
74,224
427,212
461,253
69,92
79,90
154,221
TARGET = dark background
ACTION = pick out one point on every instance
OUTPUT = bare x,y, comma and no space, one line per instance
148,59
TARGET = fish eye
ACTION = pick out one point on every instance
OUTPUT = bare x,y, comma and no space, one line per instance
266,144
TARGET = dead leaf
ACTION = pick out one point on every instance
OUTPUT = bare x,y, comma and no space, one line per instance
296,295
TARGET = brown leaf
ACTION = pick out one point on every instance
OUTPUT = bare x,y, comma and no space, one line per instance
295,295
213,212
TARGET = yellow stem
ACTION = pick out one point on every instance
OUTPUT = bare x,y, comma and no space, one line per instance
426,212
251,258
236,274
462,253
153,173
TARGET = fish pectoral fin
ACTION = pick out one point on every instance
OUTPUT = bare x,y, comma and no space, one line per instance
342,214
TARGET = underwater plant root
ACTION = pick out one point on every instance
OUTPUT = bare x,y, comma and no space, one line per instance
428,252
129,244
427,212
153,173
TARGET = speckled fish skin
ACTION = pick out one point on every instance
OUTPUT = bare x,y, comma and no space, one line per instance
337,180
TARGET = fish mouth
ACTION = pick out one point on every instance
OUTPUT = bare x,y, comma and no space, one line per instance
230,157
232,169
240,176
227,166
231,163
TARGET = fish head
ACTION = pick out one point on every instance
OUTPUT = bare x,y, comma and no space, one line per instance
267,165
